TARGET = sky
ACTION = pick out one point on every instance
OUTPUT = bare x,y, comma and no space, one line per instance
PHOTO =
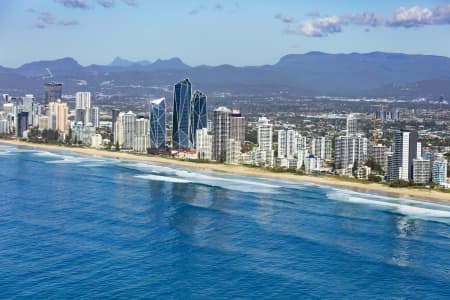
214,32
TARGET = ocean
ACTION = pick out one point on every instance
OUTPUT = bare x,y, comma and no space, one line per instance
89,227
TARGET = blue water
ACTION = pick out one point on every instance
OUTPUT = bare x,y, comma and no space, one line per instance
78,227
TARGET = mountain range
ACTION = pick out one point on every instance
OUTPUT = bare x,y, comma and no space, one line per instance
314,73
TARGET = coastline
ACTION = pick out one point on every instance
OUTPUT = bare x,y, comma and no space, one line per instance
372,188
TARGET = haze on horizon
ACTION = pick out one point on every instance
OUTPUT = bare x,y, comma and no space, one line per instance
216,32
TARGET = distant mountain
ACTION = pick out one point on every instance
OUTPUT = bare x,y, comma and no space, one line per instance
121,62
65,65
313,73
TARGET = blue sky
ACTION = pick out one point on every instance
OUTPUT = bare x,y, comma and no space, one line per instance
240,32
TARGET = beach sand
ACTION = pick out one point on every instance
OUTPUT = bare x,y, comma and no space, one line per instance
372,188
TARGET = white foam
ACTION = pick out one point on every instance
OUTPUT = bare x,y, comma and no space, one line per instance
162,178
410,208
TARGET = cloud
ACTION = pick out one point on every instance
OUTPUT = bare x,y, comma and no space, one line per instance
68,23
284,18
401,18
82,4
106,3
130,2
45,19
195,11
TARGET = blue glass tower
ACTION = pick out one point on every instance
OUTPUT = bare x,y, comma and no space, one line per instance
181,138
199,117
158,124
22,123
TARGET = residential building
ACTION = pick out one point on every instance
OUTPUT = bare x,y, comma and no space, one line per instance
181,139
264,152
203,144
141,135
58,111
158,123
199,119
52,92
221,133
350,150
421,171
404,150
237,126
439,173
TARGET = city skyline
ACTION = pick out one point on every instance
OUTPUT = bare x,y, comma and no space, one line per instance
279,28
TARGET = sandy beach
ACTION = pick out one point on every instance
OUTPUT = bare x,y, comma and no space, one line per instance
373,188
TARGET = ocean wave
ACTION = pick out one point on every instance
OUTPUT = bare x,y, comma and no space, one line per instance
162,178
409,208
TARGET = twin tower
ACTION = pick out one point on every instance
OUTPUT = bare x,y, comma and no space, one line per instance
189,114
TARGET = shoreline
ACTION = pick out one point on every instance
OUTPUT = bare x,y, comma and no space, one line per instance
370,188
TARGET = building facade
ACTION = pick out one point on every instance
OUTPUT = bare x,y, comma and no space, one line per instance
158,123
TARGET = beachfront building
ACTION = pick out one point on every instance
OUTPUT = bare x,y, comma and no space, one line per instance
264,152
378,153
94,117
181,118
82,107
141,136
158,123
404,150
52,92
58,113
203,145
421,171
221,133
237,126
350,150
233,152
439,173
199,119
125,130
322,147
287,143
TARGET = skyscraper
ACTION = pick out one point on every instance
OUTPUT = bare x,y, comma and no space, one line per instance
404,151
439,174
141,135
94,117
421,170
52,92
22,123
352,125
83,107
125,130
221,125
237,126
264,152
58,111
181,138
158,123
114,115
350,150
199,119
287,143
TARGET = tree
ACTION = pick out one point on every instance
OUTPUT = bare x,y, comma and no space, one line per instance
117,146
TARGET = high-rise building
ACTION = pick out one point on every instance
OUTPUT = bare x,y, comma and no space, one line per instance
114,115
158,123
264,152
59,111
44,123
94,117
439,173
237,126
350,150
199,118
22,123
378,153
287,143
404,150
322,147
233,152
421,170
181,139
203,144
125,130
221,130
83,103
141,135
352,125
52,92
